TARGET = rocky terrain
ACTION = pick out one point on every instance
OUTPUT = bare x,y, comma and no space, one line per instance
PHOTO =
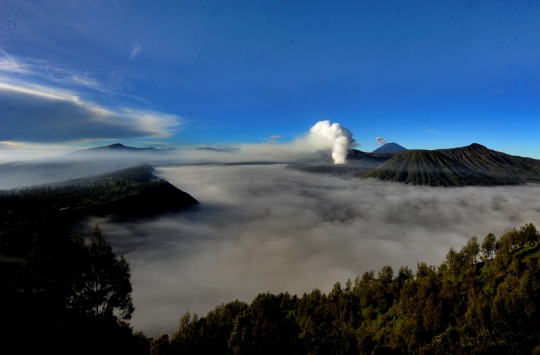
463,166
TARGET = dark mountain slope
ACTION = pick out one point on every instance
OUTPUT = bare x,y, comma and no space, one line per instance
425,167
471,165
500,166
129,192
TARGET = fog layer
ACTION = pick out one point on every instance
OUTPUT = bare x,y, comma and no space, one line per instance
266,228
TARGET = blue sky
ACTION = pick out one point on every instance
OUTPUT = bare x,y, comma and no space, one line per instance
424,74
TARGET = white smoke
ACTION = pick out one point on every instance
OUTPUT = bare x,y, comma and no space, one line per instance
321,137
381,140
333,136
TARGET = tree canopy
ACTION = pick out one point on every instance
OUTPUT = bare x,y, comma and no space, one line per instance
483,299
78,278
67,292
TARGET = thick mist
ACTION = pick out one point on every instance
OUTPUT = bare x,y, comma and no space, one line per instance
321,141
266,228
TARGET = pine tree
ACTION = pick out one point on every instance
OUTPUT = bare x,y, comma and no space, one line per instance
107,289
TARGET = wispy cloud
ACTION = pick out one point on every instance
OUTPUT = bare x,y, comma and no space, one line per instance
37,113
10,64
85,80
272,139
159,123
137,49
491,93
161,144
27,70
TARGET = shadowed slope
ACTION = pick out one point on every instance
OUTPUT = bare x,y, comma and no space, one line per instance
498,165
126,193
471,165
425,167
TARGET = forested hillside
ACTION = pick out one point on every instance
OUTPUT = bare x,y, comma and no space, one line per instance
71,296
129,192
483,299
64,295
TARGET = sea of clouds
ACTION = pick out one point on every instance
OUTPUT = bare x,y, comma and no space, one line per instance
266,228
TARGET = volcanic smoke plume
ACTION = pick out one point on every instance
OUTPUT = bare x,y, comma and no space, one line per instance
337,137
381,140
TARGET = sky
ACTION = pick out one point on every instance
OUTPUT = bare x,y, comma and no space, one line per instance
186,74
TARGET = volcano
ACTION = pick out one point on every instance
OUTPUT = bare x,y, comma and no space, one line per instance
470,165
390,148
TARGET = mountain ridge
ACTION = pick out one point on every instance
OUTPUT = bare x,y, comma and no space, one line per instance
74,165
132,192
462,166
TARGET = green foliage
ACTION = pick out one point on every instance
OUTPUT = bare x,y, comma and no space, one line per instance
160,346
106,286
71,297
488,247
72,278
483,299
267,326
51,273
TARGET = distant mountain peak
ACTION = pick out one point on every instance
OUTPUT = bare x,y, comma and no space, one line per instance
120,146
477,146
117,145
112,146
390,148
